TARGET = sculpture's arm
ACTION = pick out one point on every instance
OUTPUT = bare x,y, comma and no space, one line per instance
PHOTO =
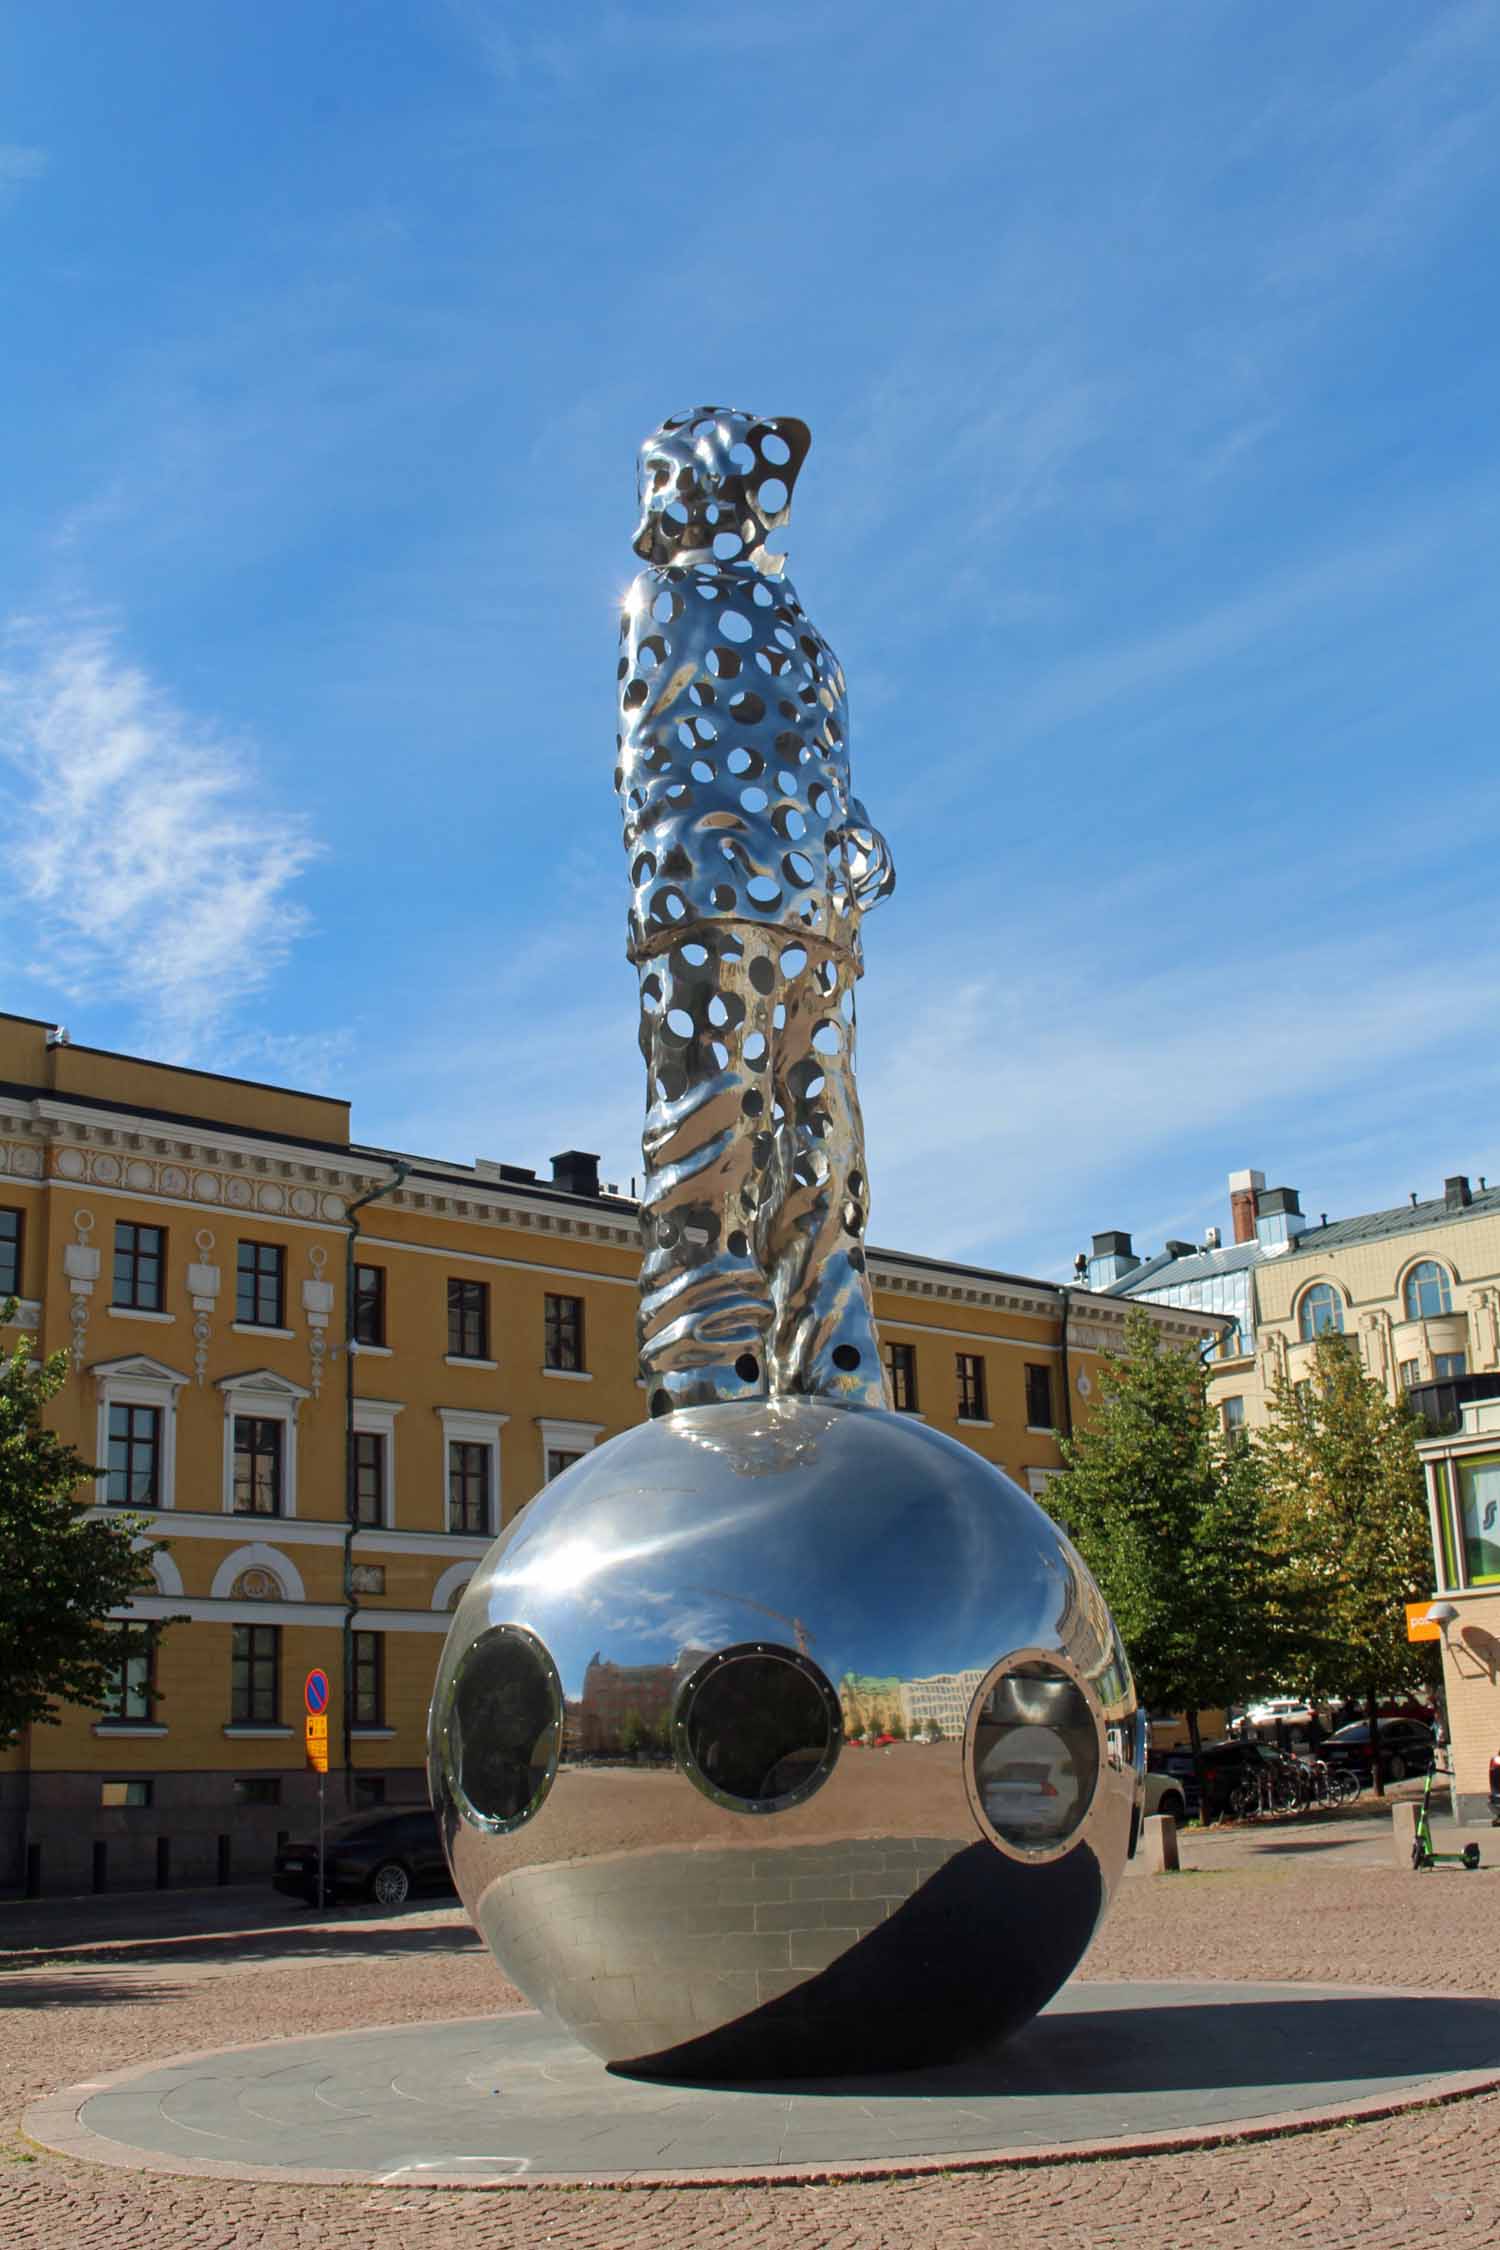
872,868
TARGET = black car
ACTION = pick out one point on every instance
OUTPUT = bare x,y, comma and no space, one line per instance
1406,1747
382,1855
1225,1766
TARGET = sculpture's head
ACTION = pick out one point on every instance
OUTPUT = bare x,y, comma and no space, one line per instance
719,480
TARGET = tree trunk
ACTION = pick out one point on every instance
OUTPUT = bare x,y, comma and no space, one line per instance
1377,1759
1197,1749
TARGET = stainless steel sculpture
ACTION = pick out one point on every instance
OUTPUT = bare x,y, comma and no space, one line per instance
751,862
655,1737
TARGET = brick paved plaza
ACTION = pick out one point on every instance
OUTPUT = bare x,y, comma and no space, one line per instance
94,1989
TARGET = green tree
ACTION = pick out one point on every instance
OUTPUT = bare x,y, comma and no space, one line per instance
1346,1491
62,1572
633,1736
1170,1517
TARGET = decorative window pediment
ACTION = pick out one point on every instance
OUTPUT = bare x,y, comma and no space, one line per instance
137,1367
266,1383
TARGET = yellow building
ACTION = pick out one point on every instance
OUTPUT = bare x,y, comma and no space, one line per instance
187,1239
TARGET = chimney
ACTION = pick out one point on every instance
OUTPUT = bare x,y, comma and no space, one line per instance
1210,1238
1278,1219
1456,1192
576,1172
1182,1249
1244,1188
1113,1258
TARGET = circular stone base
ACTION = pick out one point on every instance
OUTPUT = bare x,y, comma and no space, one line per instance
1108,2069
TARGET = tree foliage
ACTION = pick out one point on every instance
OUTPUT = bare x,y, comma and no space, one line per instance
62,1572
1170,1517
1345,1488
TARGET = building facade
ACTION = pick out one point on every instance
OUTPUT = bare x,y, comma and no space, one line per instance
328,1375
1462,1465
1416,1288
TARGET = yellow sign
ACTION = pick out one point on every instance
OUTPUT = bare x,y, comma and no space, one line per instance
316,1739
1418,1626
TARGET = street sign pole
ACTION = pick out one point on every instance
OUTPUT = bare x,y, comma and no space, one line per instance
315,1737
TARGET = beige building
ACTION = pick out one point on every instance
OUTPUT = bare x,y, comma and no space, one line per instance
1416,1289
328,1375
1463,1491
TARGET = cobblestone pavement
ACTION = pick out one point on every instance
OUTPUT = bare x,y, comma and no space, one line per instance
1277,1905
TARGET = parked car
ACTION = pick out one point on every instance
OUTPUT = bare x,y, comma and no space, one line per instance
1495,1790
383,1855
1406,1747
1224,1767
1293,1712
1165,1794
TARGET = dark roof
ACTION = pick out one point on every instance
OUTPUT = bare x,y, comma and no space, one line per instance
1407,1218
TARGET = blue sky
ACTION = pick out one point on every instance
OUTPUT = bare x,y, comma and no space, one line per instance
1150,355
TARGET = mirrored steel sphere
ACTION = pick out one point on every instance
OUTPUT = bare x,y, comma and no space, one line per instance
782,1738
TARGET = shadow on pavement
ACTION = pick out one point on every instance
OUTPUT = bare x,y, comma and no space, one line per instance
1218,2043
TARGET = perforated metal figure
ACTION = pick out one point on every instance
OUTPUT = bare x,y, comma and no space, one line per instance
751,862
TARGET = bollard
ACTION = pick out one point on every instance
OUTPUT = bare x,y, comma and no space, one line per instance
101,1865
163,1862
33,1870
223,1860
1159,1844
1404,1833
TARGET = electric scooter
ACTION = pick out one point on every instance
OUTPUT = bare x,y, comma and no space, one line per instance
1422,1853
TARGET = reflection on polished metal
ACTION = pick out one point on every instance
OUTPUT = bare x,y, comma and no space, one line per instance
751,862
661,1739
756,1586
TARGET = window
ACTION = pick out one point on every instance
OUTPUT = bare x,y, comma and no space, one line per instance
134,1794
369,1305
257,1465
130,1695
558,1460
564,1337
369,1679
1479,1516
469,1488
1232,1416
259,1294
140,1260
10,1254
1410,1371
1039,1398
1320,1311
369,1476
971,1406
1427,1292
1448,1366
468,1319
134,1466
1232,1342
901,1369
257,1789
254,1676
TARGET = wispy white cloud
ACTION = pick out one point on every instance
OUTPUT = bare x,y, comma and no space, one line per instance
18,168
146,868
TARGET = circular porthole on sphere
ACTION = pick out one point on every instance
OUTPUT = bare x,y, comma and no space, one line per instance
1033,1751
502,1734
757,1729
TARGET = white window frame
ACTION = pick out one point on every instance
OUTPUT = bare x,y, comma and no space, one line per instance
462,1427
377,1417
566,1437
139,1381
272,1398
